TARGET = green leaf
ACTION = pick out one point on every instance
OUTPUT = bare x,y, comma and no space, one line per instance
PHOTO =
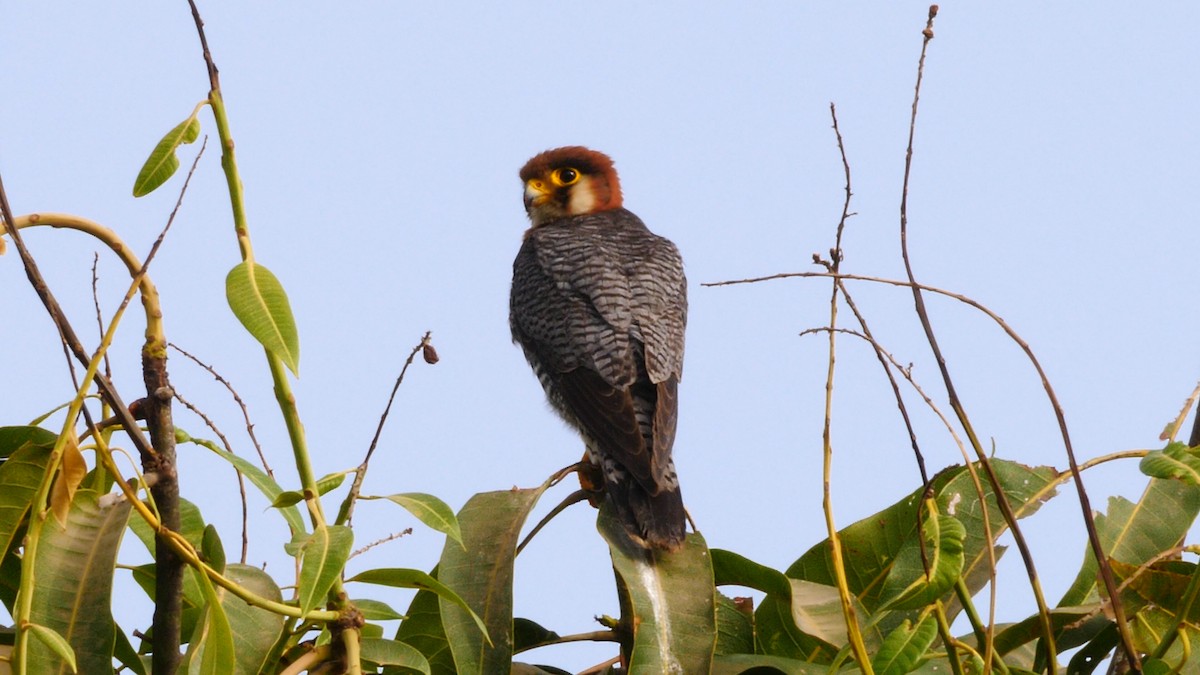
907,586
74,584
1136,533
15,438
254,474
374,610
735,625
324,485
260,303
423,630
1174,461
480,569
451,634
162,162
212,549
20,476
329,483
57,644
322,560
287,498
817,611
731,569
399,577
431,511
904,647
394,653
872,545
256,630
529,634
210,650
669,599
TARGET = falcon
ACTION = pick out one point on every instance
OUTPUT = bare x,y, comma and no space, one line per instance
599,306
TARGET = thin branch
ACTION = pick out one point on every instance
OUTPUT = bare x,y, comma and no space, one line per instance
987,635
67,332
391,537
347,511
590,636
240,478
237,399
853,631
96,304
573,498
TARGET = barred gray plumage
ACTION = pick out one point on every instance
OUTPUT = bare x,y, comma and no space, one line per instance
599,306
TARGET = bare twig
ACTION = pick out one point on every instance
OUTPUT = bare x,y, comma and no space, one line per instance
237,399
240,478
391,537
857,645
590,636
985,635
96,304
573,498
67,332
347,510
960,411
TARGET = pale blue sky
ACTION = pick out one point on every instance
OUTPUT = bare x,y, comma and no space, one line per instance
1055,179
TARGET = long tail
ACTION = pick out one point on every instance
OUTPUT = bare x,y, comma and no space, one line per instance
652,521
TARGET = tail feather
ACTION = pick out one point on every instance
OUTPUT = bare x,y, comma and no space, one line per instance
652,521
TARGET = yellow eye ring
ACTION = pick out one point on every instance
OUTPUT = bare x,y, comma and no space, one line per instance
564,177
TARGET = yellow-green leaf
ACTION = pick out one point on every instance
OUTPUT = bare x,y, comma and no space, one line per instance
57,644
260,303
162,162
431,511
324,556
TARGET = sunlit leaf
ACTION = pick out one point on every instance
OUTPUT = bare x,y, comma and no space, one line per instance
1174,461
20,476
17,437
321,563
260,303
162,162
1136,533
871,545
56,643
74,584
904,647
329,483
431,511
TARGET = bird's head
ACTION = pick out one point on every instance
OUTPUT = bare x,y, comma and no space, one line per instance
569,181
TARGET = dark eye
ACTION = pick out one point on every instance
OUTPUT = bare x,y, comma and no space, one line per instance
566,176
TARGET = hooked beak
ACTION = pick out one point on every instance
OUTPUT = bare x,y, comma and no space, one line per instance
536,193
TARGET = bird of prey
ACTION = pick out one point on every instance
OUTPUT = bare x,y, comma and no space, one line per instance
599,306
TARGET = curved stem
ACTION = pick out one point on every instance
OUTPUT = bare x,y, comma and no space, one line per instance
146,288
